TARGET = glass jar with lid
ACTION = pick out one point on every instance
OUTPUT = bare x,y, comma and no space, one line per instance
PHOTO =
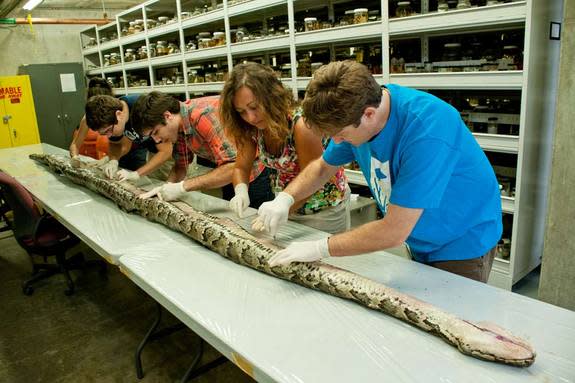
286,70
106,60
129,55
190,46
161,48
219,38
310,24
347,18
360,15
403,9
193,75
173,48
442,6
204,43
131,26
463,4
114,58
91,42
511,59
241,34
142,53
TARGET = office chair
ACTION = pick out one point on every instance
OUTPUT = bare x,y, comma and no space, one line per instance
5,221
41,235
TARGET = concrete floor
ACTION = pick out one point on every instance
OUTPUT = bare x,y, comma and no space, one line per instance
90,336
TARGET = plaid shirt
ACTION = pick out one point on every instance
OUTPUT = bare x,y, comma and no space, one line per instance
202,134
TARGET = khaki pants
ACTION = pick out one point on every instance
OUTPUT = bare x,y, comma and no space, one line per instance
476,268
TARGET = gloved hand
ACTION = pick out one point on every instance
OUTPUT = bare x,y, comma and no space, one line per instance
110,168
241,200
127,175
308,251
167,192
75,161
99,163
273,213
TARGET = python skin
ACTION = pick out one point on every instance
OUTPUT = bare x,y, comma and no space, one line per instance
481,340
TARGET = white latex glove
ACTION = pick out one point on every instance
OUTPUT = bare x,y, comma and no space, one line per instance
98,163
127,175
75,161
241,200
308,251
166,192
273,213
110,168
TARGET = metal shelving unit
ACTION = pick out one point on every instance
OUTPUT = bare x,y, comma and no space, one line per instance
528,205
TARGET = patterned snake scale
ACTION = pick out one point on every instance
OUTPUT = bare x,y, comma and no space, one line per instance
481,340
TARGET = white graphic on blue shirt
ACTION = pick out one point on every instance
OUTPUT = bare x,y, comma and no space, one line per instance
380,182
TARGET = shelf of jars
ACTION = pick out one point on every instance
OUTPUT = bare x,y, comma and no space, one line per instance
162,30
499,14
202,18
90,50
264,44
508,204
236,8
460,80
176,88
340,33
206,53
498,142
137,90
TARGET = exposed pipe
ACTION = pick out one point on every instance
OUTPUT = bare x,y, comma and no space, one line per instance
45,20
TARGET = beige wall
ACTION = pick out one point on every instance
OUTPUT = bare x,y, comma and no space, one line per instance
557,284
49,43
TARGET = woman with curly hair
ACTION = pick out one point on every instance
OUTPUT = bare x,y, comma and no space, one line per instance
259,113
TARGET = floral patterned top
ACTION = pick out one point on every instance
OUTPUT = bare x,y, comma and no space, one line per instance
287,168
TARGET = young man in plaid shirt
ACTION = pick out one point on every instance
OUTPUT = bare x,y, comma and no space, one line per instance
193,127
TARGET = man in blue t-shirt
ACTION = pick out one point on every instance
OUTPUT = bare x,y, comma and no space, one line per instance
430,178
110,117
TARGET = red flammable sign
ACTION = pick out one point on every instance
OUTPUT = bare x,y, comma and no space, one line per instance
10,92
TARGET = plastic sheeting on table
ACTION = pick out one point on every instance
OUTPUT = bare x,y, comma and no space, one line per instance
289,333
95,219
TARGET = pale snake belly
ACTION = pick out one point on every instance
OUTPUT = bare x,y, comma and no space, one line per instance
481,340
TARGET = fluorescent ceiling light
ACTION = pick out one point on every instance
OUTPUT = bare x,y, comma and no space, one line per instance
31,4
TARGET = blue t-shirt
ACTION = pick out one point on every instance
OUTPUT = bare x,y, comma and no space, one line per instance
426,158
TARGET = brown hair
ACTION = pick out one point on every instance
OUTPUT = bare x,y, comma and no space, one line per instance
101,111
275,100
338,95
148,111
97,86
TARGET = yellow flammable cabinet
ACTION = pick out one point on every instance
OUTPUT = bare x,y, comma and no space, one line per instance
19,126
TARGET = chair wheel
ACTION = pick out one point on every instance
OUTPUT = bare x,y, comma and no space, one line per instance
28,290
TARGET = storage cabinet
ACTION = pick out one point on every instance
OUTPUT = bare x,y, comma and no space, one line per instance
18,126
59,96
492,59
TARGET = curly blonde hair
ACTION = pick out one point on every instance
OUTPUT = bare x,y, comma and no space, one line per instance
273,98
